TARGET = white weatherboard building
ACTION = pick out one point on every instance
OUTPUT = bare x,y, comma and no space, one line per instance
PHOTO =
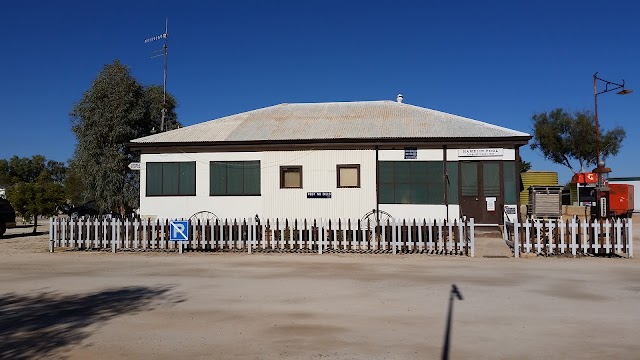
333,160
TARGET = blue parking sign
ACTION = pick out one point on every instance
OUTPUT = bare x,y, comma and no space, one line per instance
179,230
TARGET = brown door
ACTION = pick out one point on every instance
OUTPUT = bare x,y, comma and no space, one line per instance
491,192
481,191
470,204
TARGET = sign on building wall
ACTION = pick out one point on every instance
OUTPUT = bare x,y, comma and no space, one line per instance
319,195
480,152
410,153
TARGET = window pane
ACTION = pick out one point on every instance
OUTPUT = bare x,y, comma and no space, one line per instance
452,174
469,179
402,172
187,178
509,168
218,178
385,169
292,178
418,193
252,178
402,194
386,193
348,176
435,194
491,178
419,172
154,179
235,182
170,178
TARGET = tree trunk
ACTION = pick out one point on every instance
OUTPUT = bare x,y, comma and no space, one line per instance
35,223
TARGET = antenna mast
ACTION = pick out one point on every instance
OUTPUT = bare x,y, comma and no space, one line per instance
165,47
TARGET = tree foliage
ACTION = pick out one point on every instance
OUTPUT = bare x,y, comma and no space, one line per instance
564,137
524,166
114,111
34,185
17,169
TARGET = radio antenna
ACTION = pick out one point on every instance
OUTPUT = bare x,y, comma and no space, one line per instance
164,36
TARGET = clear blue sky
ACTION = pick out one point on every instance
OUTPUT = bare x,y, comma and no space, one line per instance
494,61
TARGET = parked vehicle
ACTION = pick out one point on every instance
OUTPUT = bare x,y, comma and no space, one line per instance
87,209
7,216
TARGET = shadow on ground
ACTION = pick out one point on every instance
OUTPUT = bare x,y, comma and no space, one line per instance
37,326
27,234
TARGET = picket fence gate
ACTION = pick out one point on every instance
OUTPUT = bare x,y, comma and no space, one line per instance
575,237
270,235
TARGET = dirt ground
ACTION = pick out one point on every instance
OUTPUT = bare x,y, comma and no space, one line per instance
91,305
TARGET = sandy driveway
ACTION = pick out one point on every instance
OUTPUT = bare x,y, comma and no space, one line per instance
82,305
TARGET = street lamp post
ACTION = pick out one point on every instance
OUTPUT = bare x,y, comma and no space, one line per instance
600,168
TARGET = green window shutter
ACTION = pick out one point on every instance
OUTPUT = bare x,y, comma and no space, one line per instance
234,178
510,176
235,182
419,194
435,182
491,178
452,174
402,173
187,178
386,193
402,194
385,170
154,178
251,178
217,178
469,178
420,172
170,178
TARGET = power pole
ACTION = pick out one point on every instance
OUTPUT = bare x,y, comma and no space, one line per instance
165,47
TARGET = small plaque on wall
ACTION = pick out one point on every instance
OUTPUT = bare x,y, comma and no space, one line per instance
410,153
319,195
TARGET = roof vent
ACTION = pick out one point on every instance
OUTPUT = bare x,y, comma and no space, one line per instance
399,99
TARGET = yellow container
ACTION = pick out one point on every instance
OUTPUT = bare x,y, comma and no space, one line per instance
536,178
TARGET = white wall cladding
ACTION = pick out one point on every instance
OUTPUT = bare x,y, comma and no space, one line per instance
413,211
318,175
185,206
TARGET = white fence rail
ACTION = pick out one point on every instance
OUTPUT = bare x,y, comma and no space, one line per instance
270,235
553,237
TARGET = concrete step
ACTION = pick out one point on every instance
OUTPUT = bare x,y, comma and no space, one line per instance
492,246
489,231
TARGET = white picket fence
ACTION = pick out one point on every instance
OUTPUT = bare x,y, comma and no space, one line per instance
553,237
270,235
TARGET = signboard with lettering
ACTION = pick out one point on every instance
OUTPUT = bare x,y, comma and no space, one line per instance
410,153
319,195
480,152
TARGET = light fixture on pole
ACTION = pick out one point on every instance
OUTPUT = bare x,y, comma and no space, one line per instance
601,203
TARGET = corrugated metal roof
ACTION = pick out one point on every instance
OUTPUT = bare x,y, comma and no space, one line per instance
335,120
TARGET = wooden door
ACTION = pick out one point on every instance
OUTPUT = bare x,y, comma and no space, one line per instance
491,192
470,205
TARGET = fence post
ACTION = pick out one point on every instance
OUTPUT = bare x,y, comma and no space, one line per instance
113,236
51,235
516,239
473,234
250,235
320,235
607,245
394,236
585,237
574,245
630,235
